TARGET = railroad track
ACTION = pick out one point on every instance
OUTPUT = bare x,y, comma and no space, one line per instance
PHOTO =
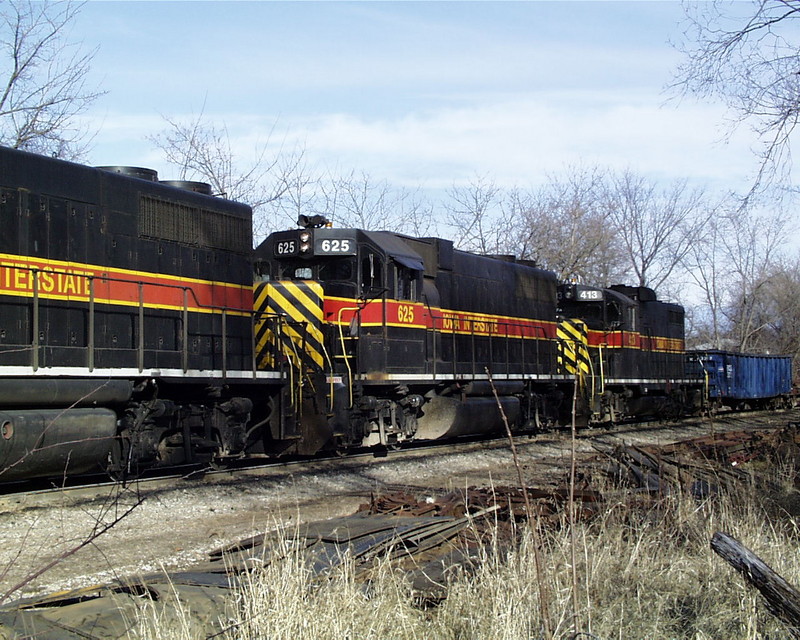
100,484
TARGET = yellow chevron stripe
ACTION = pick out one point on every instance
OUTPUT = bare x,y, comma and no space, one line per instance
278,302
299,336
314,306
573,338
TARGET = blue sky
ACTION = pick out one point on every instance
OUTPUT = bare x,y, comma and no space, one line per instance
417,93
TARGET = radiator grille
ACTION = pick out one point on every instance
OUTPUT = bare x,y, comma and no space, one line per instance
194,226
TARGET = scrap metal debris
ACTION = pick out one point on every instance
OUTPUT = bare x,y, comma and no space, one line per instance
700,466
432,539
507,504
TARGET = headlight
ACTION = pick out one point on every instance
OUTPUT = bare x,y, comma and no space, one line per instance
305,236
304,247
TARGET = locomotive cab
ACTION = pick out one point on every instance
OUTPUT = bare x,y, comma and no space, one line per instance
600,309
348,263
627,346
348,301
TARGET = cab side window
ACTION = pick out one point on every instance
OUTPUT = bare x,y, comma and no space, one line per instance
613,315
371,273
405,283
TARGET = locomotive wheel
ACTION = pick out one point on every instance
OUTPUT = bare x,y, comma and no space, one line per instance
218,464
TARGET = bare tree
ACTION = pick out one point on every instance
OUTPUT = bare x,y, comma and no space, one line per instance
564,226
708,270
657,228
779,312
299,198
748,55
739,270
752,246
46,79
202,151
478,220
355,200
358,200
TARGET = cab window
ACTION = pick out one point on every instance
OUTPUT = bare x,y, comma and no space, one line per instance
261,271
294,272
613,315
405,282
340,269
371,273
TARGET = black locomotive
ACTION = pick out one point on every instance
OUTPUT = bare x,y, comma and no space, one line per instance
139,328
416,339
125,321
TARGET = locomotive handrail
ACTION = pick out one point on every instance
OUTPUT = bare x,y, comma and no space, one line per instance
224,339
35,323
329,360
107,278
602,377
90,296
494,329
295,359
345,357
90,337
253,359
602,368
472,344
291,358
185,333
140,355
538,329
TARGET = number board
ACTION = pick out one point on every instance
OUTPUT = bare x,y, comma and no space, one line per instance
325,245
288,247
590,294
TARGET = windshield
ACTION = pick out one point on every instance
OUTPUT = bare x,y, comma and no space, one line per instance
340,269
326,270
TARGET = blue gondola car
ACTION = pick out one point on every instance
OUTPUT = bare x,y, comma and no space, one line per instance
737,380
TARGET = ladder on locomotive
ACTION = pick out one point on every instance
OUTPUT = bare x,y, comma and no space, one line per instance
346,345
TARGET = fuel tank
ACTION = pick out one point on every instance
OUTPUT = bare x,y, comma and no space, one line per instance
449,417
41,443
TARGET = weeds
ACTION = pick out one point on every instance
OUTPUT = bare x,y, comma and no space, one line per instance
641,573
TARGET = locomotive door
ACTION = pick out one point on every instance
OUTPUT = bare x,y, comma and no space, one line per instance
369,324
407,346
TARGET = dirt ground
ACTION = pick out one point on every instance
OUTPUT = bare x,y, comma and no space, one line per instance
173,524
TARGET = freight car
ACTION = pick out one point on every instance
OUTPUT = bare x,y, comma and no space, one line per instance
744,380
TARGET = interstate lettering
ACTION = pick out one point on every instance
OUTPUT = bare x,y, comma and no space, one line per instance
19,278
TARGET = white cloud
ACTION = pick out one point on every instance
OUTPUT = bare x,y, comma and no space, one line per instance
519,141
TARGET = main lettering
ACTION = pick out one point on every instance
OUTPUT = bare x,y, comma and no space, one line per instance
21,278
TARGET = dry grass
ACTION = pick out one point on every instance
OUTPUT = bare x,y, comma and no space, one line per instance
642,573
